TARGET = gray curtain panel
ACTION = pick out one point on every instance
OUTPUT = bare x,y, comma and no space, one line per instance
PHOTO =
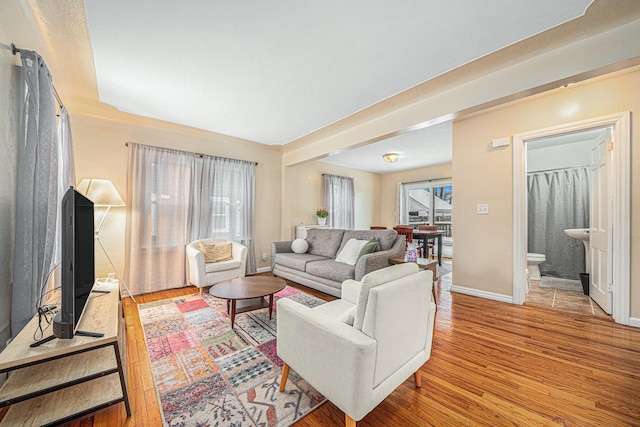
339,200
45,165
558,200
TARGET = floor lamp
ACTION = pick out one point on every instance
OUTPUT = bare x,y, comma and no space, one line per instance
103,193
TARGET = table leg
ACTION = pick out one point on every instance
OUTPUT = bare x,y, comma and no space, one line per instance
440,250
233,312
270,305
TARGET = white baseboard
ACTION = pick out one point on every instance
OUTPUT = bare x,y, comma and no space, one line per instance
634,321
482,294
263,270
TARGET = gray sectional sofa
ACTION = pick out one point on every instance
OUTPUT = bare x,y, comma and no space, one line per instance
318,269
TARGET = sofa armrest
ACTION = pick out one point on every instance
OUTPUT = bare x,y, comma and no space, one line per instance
377,260
335,358
279,248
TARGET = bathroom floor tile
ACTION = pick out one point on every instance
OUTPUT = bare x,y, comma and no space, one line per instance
562,300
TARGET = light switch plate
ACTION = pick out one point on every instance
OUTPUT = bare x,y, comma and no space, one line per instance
482,209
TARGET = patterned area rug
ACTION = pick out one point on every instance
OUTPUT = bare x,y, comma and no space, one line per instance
207,374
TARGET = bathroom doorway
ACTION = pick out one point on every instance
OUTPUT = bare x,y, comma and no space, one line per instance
611,267
559,202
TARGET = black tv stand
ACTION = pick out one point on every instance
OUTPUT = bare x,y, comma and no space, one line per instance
52,337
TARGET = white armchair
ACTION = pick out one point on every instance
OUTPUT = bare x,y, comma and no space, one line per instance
203,274
360,348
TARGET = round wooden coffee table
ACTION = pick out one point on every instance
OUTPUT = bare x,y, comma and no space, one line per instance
251,290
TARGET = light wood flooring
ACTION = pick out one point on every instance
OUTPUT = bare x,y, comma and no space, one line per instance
492,364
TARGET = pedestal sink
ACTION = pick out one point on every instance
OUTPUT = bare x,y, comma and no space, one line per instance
582,234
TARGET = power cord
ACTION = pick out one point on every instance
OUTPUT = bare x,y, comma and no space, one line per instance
46,313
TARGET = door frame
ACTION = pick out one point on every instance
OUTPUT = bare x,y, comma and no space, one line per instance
620,218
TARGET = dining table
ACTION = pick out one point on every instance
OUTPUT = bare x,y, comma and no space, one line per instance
425,236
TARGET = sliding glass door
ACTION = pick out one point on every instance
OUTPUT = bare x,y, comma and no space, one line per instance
427,203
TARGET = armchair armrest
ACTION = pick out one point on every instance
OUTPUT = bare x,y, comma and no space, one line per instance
239,251
336,358
377,260
351,290
278,248
195,265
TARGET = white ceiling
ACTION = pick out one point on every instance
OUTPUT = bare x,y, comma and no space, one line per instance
428,146
271,72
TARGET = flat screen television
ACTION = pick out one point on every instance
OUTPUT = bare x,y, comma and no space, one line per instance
78,258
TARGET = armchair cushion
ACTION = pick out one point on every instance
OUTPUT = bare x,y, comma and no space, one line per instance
215,252
222,265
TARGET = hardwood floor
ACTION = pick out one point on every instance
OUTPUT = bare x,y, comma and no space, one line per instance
492,364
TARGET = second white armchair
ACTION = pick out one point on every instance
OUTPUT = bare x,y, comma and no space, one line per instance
203,274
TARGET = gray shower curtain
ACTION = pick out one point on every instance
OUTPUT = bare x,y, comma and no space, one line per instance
557,200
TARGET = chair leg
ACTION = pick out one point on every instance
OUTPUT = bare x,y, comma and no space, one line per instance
348,421
417,378
200,290
285,375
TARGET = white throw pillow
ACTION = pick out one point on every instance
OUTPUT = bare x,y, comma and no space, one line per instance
349,254
299,246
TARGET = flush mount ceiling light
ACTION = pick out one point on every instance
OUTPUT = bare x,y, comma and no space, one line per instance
390,157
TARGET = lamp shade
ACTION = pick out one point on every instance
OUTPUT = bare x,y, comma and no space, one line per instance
101,192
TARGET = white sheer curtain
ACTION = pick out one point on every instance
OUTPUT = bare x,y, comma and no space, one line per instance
45,168
224,202
339,199
159,186
175,197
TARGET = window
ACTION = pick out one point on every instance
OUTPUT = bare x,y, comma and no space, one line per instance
427,203
339,201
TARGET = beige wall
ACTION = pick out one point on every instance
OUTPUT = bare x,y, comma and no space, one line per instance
389,188
303,194
483,243
100,153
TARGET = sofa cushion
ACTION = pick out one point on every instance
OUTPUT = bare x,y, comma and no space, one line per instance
331,269
386,238
299,246
324,242
377,278
297,261
350,253
371,246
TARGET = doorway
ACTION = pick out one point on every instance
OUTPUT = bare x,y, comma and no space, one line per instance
562,208
616,280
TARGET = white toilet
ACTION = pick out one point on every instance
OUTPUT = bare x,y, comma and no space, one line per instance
533,265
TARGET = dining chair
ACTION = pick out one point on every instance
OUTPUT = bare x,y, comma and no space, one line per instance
407,232
429,242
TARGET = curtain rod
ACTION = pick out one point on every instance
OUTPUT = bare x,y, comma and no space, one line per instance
126,144
559,169
16,50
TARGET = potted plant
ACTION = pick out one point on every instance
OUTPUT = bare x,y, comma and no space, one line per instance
322,215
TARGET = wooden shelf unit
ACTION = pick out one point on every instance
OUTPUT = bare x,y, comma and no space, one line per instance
64,379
